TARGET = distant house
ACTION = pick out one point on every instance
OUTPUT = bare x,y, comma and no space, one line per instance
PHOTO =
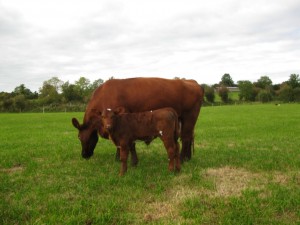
231,89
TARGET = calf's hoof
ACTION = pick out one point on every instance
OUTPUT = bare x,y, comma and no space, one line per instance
184,158
121,174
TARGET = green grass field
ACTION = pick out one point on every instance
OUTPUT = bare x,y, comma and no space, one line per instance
245,170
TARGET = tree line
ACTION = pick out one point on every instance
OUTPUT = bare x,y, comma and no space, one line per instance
57,95
54,95
262,90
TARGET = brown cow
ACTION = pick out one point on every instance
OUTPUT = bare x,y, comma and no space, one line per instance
139,95
125,129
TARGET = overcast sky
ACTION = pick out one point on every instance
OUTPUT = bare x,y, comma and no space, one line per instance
193,39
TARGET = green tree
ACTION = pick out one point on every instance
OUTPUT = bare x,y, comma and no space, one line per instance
209,93
226,80
264,96
22,90
55,82
96,84
83,83
247,90
49,94
223,93
263,82
276,87
83,88
286,93
6,102
294,80
296,94
70,93
20,102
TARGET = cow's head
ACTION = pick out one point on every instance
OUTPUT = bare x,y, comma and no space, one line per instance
88,136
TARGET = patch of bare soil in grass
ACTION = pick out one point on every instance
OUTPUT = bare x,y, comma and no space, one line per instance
233,181
15,168
159,210
280,178
226,182
167,208
287,218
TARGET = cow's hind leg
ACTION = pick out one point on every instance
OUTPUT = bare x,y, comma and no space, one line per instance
186,151
177,158
117,157
187,136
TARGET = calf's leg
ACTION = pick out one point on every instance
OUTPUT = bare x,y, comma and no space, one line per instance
134,157
170,147
123,155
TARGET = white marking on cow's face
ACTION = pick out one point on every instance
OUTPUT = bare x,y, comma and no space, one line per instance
160,132
108,109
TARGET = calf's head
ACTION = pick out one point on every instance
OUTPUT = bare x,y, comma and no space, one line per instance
108,119
88,136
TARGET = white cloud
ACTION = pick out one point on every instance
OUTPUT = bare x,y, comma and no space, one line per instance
192,39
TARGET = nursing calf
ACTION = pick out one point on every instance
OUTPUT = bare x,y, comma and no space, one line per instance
126,128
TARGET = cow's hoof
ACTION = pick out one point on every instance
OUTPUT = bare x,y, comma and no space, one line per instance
134,163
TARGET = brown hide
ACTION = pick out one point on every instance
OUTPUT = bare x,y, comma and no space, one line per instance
141,126
126,128
144,94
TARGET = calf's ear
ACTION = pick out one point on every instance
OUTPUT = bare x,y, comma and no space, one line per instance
120,110
75,123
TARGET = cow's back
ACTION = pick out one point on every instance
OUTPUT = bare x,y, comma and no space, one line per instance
142,94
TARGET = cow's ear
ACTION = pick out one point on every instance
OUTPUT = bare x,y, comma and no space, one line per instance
75,123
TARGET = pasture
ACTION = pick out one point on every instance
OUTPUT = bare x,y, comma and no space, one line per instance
245,170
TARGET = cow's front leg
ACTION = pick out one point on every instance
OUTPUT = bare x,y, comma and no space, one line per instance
177,158
123,155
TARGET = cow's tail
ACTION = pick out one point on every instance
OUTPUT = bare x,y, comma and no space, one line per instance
193,144
202,91
177,134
